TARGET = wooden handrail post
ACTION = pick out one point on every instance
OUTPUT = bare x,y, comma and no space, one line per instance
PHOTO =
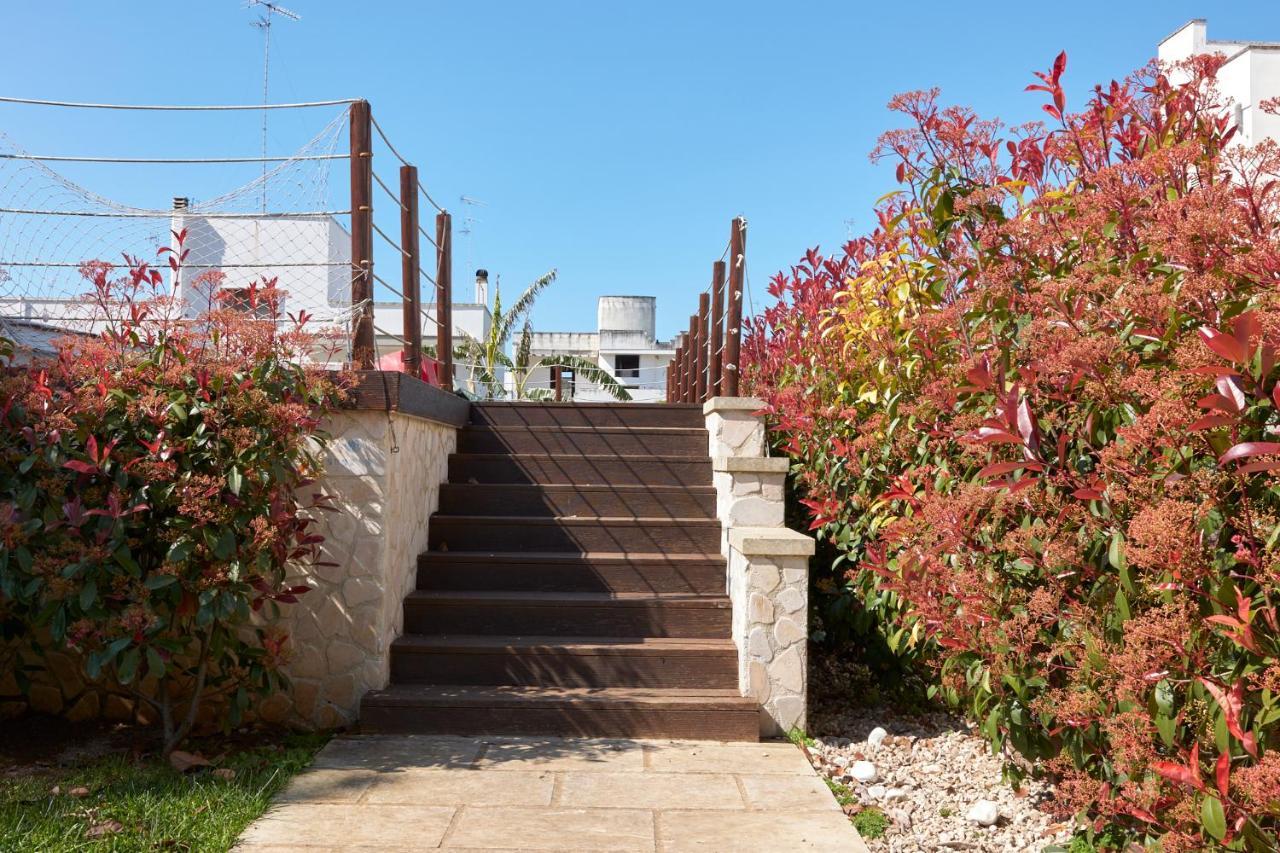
733,324
363,349
691,360
671,372
410,262
444,298
704,309
717,329
677,378
557,380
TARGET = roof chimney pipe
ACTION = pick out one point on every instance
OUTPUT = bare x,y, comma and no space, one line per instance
482,287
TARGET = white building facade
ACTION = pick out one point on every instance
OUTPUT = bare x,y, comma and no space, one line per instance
625,344
1249,76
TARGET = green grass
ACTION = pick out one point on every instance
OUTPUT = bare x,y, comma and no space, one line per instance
799,738
155,806
844,795
870,822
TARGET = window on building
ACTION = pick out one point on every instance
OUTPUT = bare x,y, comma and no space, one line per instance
626,366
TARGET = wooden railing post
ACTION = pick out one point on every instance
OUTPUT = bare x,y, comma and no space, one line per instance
409,270
444,298
691,360
733,324
717,329
671,373
677,379
704,309
363,350
558,381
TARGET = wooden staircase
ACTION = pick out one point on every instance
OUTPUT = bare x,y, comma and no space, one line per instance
574,584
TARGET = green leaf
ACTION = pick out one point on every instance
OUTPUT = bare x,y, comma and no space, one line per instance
1115,553
234,480
154,582
1212,818
178,551
88,595
155,663
129,665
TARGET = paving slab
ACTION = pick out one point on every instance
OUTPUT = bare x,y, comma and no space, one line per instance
576,795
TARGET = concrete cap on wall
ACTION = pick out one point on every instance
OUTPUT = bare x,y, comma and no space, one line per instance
771,542
732,404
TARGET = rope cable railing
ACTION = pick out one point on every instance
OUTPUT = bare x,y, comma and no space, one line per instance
392,243
58,158
386,189
177,107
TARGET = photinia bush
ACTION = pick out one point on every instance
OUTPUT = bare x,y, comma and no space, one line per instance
150,481
1037,409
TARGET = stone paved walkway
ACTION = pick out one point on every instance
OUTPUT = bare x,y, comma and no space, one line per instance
520,794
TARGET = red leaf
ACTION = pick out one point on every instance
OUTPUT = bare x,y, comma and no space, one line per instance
1231,704
1177,773
82,467
1224,345
1249,448
1212,422
1222,773
1087,494
995,469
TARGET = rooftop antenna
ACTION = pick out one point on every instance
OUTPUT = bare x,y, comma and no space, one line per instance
468,221
264,23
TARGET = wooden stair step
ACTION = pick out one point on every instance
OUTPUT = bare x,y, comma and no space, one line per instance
556,468
695,713
568,613
667,441
588,414
602,571
564,661
573,533
568,499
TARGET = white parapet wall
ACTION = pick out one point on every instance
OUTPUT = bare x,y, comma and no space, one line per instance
768,580
383,471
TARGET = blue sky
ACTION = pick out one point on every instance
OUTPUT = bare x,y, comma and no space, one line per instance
612,141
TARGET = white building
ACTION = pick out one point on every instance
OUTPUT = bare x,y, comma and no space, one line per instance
625,344
1250,75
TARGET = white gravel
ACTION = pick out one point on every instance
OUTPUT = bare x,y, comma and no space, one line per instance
936,781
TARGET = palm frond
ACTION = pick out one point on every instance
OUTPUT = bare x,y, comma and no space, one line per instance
523,305
588,370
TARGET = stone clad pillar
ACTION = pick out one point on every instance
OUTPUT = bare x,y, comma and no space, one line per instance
768,575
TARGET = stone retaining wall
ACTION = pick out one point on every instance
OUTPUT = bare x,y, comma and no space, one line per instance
383,475
768,580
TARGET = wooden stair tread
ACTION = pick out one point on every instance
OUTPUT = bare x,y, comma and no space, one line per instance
559,644
589,457
660,488
534,557
567,599
579,520
588,430
519,696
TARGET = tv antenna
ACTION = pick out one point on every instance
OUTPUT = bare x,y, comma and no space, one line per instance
264,23
468,221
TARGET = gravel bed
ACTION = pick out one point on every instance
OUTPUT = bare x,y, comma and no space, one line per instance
937,783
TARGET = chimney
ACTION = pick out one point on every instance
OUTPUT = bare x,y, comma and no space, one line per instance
482,287
181,202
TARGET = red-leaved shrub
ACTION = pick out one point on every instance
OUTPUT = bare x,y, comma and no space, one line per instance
151,485
1038,411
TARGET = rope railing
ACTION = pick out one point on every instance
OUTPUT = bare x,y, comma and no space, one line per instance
707,352
33,192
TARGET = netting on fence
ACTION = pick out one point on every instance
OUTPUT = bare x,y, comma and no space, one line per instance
286,222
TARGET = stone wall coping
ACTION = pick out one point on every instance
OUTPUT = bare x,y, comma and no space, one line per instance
391,391
732,404
751,464
771,542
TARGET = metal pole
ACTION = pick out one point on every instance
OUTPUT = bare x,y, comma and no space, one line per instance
733,325
704,309
409,271
444,298
717,329
363,350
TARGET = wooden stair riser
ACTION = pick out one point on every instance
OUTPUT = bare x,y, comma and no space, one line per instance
563,668
467,533
616,470
549,501
587,414
743,725
478,439
708,619
452,572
